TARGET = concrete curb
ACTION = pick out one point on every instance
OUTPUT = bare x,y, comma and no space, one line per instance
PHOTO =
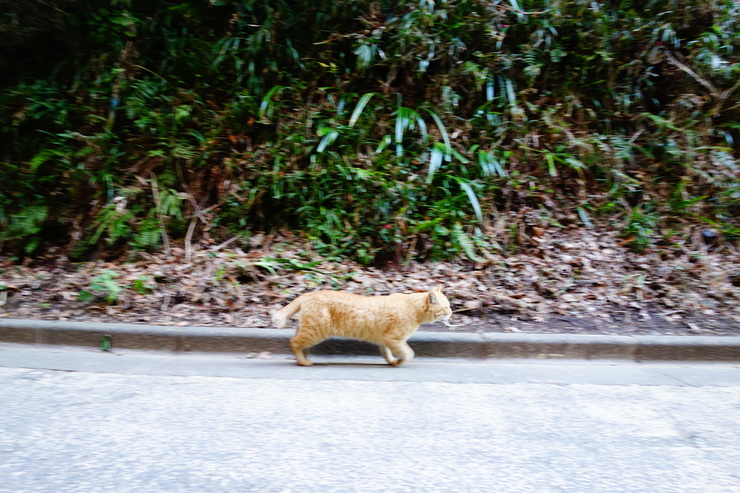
425,344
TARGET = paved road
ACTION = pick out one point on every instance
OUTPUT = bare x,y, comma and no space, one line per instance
83,421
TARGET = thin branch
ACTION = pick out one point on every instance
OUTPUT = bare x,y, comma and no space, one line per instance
191,197
189,239
160,218
637,134
725,95
707,84
224,244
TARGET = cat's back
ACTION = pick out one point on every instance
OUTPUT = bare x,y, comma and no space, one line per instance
328,294
343,300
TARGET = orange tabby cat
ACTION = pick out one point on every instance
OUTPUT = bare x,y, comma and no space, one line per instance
387,321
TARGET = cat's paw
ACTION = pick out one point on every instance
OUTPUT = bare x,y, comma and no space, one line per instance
305,363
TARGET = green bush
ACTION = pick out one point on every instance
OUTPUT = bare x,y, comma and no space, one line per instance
382,130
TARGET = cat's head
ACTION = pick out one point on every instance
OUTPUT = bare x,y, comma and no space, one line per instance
437,305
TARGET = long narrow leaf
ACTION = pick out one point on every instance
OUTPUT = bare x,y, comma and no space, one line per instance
490,165
359,108
443,131
498,166
422,127
485,163
406,119
551,164
401,124
584,217
329,137
473,199
490,90
464,242
383,144
435,161
266,106
460,157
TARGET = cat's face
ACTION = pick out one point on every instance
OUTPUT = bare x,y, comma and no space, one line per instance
439,305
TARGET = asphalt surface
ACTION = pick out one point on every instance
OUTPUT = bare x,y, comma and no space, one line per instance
370,368
83,420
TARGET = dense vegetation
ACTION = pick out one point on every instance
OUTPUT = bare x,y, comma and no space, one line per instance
381,130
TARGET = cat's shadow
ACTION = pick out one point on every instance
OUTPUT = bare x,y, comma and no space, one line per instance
352,363
283,363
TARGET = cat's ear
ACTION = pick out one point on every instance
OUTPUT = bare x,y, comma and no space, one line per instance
432,298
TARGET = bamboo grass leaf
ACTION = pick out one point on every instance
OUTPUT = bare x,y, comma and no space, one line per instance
365,53
435,161
473,199
490,90
510,92
422,127
384,143
575,163
360,108
584,217
490,165
407,119
464,242
443,131
459,157
329,136
401,125
266,106
551,164
485,163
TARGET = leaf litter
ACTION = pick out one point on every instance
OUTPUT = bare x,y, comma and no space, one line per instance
576,281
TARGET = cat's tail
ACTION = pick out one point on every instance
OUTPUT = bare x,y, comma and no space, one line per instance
281,317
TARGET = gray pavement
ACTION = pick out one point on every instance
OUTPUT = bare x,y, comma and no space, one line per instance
371,368
82,420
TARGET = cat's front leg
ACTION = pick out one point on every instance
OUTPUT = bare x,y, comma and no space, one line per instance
401,349
388,355
300,357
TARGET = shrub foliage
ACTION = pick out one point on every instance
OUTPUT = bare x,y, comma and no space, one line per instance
383,130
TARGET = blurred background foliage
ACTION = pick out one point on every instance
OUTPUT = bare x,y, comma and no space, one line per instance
381,130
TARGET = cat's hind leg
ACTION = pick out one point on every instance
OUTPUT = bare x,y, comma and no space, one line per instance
388,355
303,340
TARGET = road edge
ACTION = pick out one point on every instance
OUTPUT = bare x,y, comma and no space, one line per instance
425,344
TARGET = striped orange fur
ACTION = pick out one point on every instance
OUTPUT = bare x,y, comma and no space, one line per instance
387,321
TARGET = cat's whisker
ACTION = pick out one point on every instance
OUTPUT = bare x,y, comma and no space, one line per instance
446,321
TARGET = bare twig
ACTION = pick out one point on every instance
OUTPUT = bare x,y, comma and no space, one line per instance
637,134
198,210
725,95
189,239
704,82
160,218
224,244
165,303
565,288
